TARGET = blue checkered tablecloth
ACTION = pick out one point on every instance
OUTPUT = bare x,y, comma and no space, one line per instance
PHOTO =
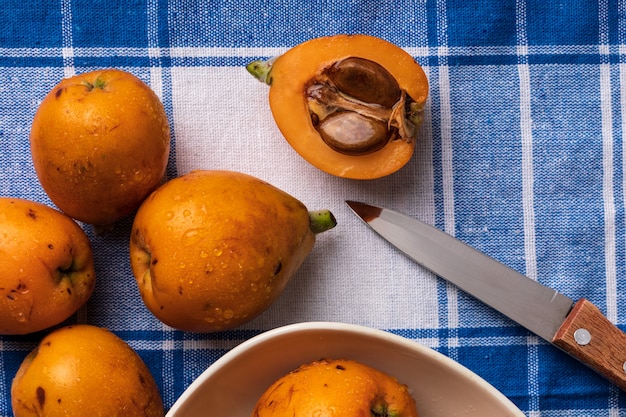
521,155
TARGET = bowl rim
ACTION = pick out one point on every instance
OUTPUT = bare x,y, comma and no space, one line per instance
329,326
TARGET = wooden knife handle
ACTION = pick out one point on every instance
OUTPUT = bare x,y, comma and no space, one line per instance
591,338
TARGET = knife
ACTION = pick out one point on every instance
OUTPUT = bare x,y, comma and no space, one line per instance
578,328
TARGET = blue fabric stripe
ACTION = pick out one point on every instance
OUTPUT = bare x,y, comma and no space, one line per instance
473,52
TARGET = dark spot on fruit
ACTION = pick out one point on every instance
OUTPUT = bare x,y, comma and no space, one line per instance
278,267
341,367
32,214
58,400
142,380
50,246
10,297
69,291
41,396
155,261
180,290
58,93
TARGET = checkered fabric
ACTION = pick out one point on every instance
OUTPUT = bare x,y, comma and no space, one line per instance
521,155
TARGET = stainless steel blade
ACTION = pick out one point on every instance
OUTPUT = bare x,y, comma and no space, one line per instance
538,308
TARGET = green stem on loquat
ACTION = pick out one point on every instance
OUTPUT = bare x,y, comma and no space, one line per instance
261,70
321,221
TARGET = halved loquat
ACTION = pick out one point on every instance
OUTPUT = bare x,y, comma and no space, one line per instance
349,104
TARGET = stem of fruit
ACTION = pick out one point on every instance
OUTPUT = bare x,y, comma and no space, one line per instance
321,221
261,70
98,83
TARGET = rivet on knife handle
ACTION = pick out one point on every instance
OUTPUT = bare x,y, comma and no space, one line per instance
590,337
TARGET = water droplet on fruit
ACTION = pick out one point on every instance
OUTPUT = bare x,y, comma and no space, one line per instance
182,265
186,213
229,314
169,215
192,236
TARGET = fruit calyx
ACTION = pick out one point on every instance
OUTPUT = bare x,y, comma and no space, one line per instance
97,83
321,221
381,409
260,70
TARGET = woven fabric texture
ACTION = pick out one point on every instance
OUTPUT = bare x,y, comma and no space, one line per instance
521,155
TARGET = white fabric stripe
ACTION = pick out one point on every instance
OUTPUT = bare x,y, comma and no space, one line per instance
168,347
607,184
622,86
608,181
446,166
533,372
156,73
66,29
528,199
622,74
446,149
219,344
224,52
82,314
427,156
156,83
152,16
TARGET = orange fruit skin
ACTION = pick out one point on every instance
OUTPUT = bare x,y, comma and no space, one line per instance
290,74
211,250
336,387
84,370
100,143
46,266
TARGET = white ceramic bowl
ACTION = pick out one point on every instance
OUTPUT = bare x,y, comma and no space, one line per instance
441,387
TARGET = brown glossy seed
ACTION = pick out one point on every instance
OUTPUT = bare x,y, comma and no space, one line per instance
353,134
366,81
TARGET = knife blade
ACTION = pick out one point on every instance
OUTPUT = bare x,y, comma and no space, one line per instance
578,328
